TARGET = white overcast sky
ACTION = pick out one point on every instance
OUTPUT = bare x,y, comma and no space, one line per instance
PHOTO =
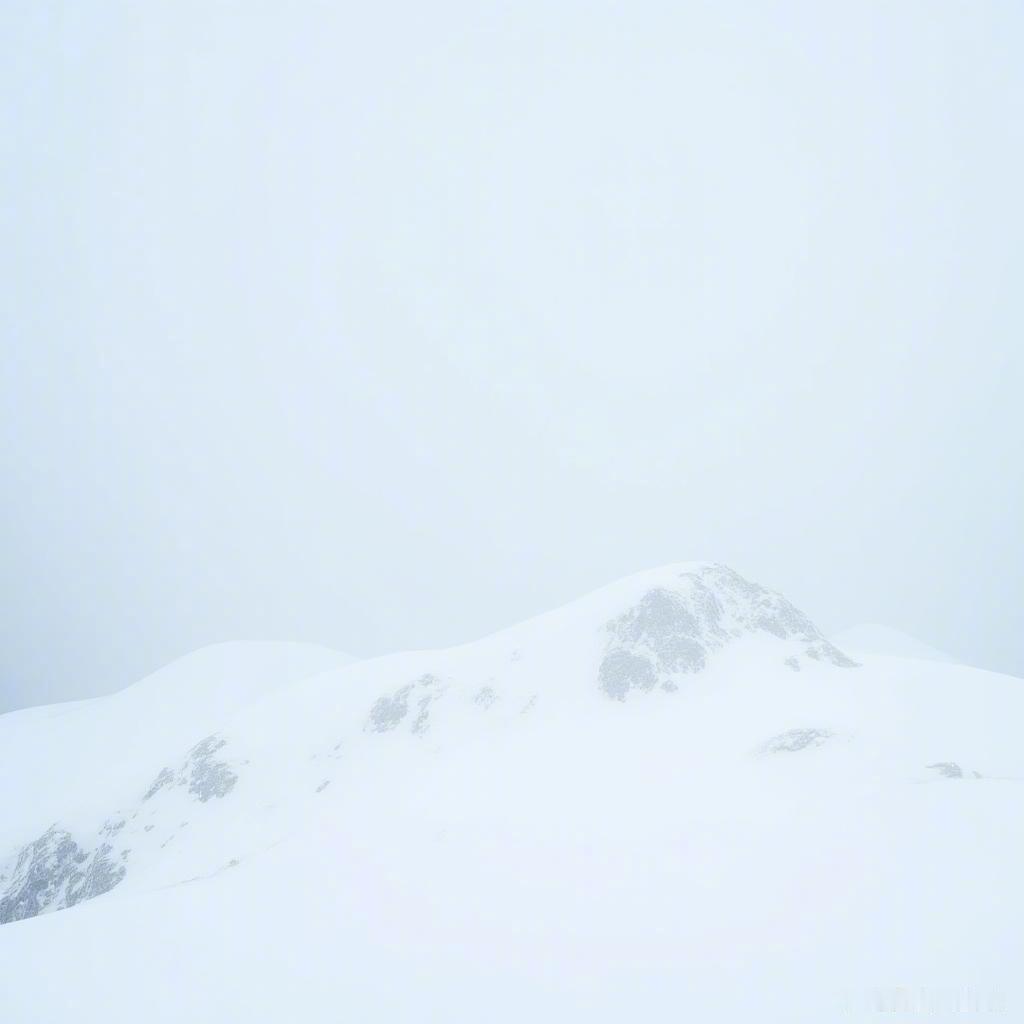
385,325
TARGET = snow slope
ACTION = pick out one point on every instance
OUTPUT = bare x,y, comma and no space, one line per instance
78,759
870,638
670,800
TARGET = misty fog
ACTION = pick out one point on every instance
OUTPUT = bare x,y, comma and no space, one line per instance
385,326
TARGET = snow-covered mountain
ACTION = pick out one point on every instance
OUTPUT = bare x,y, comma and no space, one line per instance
672,799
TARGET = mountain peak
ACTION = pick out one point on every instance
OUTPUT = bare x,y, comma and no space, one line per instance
689,612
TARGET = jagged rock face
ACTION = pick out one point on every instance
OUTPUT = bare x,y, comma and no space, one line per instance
54,872
391,710
673,631
202,773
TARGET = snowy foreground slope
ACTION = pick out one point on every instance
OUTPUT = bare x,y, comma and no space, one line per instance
670,800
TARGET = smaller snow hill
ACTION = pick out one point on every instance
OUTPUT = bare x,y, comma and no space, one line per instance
79,757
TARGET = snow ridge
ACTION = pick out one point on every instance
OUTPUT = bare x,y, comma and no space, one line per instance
648,632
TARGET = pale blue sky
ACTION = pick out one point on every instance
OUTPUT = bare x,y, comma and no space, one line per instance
386,325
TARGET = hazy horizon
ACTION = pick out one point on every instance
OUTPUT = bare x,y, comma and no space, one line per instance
388,327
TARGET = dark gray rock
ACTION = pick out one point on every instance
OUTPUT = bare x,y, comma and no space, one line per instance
204,775
53,872
485,697
208,777
101,874
622,671
673,630
164,778
421,722
793,740
388,712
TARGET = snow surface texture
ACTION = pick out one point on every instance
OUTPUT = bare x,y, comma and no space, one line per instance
672,799
871,638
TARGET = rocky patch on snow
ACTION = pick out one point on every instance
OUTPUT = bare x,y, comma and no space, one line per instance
413,699
672,631
793,740
203,774
951,770
54,872
485,697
